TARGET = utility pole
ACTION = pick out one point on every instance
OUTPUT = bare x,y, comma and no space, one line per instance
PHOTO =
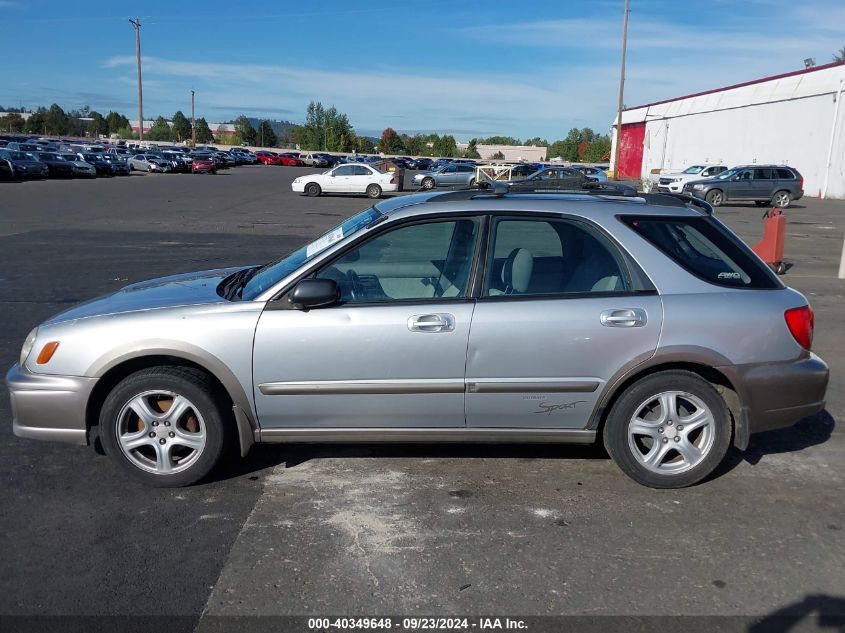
137,24
621,95
193,120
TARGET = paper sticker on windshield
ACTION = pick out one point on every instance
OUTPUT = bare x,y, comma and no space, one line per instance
324,242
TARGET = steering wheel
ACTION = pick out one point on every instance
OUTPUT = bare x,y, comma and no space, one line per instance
356,289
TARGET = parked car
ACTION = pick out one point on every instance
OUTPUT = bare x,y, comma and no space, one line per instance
452,174
101,165
150,163
23,146
179,161
24,165
268,158
57,167
523,170
441,162
674,182
7,172
203,163
422,164
119,165
777,185
80,167
290,160
584,319
314,160
352,178
551,178
592,173
331,159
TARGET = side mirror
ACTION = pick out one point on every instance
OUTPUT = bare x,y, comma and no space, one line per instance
735,178
315,293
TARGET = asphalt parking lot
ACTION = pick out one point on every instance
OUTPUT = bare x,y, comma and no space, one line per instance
368,530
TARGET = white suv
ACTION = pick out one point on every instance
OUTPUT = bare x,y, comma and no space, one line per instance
673,182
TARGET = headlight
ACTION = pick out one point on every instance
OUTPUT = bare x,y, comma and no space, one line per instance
676,180
698,186
27,345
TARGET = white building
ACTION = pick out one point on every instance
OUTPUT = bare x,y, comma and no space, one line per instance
794,119
526,153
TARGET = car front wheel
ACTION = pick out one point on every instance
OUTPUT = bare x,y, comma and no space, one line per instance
428,183
715,198
164,425
668,430
312,189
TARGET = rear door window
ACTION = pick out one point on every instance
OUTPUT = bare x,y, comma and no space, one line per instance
706,249
763,173
785,174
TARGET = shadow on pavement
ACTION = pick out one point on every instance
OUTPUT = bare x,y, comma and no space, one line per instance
814,613
808,432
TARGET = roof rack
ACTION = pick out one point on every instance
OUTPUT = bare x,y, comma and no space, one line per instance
667,198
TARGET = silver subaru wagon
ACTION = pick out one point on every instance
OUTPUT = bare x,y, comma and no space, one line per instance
462,316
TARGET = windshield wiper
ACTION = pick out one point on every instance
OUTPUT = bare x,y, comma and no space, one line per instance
233,285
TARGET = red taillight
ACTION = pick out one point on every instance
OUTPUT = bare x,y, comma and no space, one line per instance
393,180
800,322
801,183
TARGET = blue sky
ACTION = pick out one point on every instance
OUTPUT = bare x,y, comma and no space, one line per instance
468,68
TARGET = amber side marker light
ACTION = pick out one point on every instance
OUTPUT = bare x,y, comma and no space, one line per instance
47,353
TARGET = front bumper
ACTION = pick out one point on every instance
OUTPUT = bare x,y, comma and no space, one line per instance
776,395
672,187
48,407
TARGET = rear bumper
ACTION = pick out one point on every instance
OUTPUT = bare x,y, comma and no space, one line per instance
776,395
49,407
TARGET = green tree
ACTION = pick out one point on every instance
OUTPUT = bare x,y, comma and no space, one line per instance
265,135
12,123
472,149
413,144
56,122
244,130
204,134
37,122
446,146
365,145
116,121
500,140
125,132
181,126
160,131
390,142
498,156
840,56
537,141
99,125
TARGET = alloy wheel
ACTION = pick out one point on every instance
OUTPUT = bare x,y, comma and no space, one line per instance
160,432
671,432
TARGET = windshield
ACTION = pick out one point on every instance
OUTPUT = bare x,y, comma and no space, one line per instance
727,174
91,158
272,273
695,169
15,155
48,156
70,157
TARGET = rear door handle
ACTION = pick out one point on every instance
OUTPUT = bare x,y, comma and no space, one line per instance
437,322
624,317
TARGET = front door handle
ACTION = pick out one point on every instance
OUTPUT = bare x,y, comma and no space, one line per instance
437,322
624,317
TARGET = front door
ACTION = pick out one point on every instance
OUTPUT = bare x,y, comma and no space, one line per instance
558,317
741,186
391,353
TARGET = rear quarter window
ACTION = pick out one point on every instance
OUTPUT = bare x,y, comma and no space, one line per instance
706,249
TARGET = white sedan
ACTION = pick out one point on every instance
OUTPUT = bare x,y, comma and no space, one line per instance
347,178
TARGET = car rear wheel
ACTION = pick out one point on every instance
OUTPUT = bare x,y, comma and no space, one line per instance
668,430
428,183
781,199
164,425
312,189
715,198
373,191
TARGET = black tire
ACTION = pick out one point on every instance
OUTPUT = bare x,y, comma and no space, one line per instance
428,183
194,385
471,183
616,429
781,199
715,197
312,189
373,191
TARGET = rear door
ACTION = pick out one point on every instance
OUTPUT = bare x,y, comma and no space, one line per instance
361,177
765,183
558,316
